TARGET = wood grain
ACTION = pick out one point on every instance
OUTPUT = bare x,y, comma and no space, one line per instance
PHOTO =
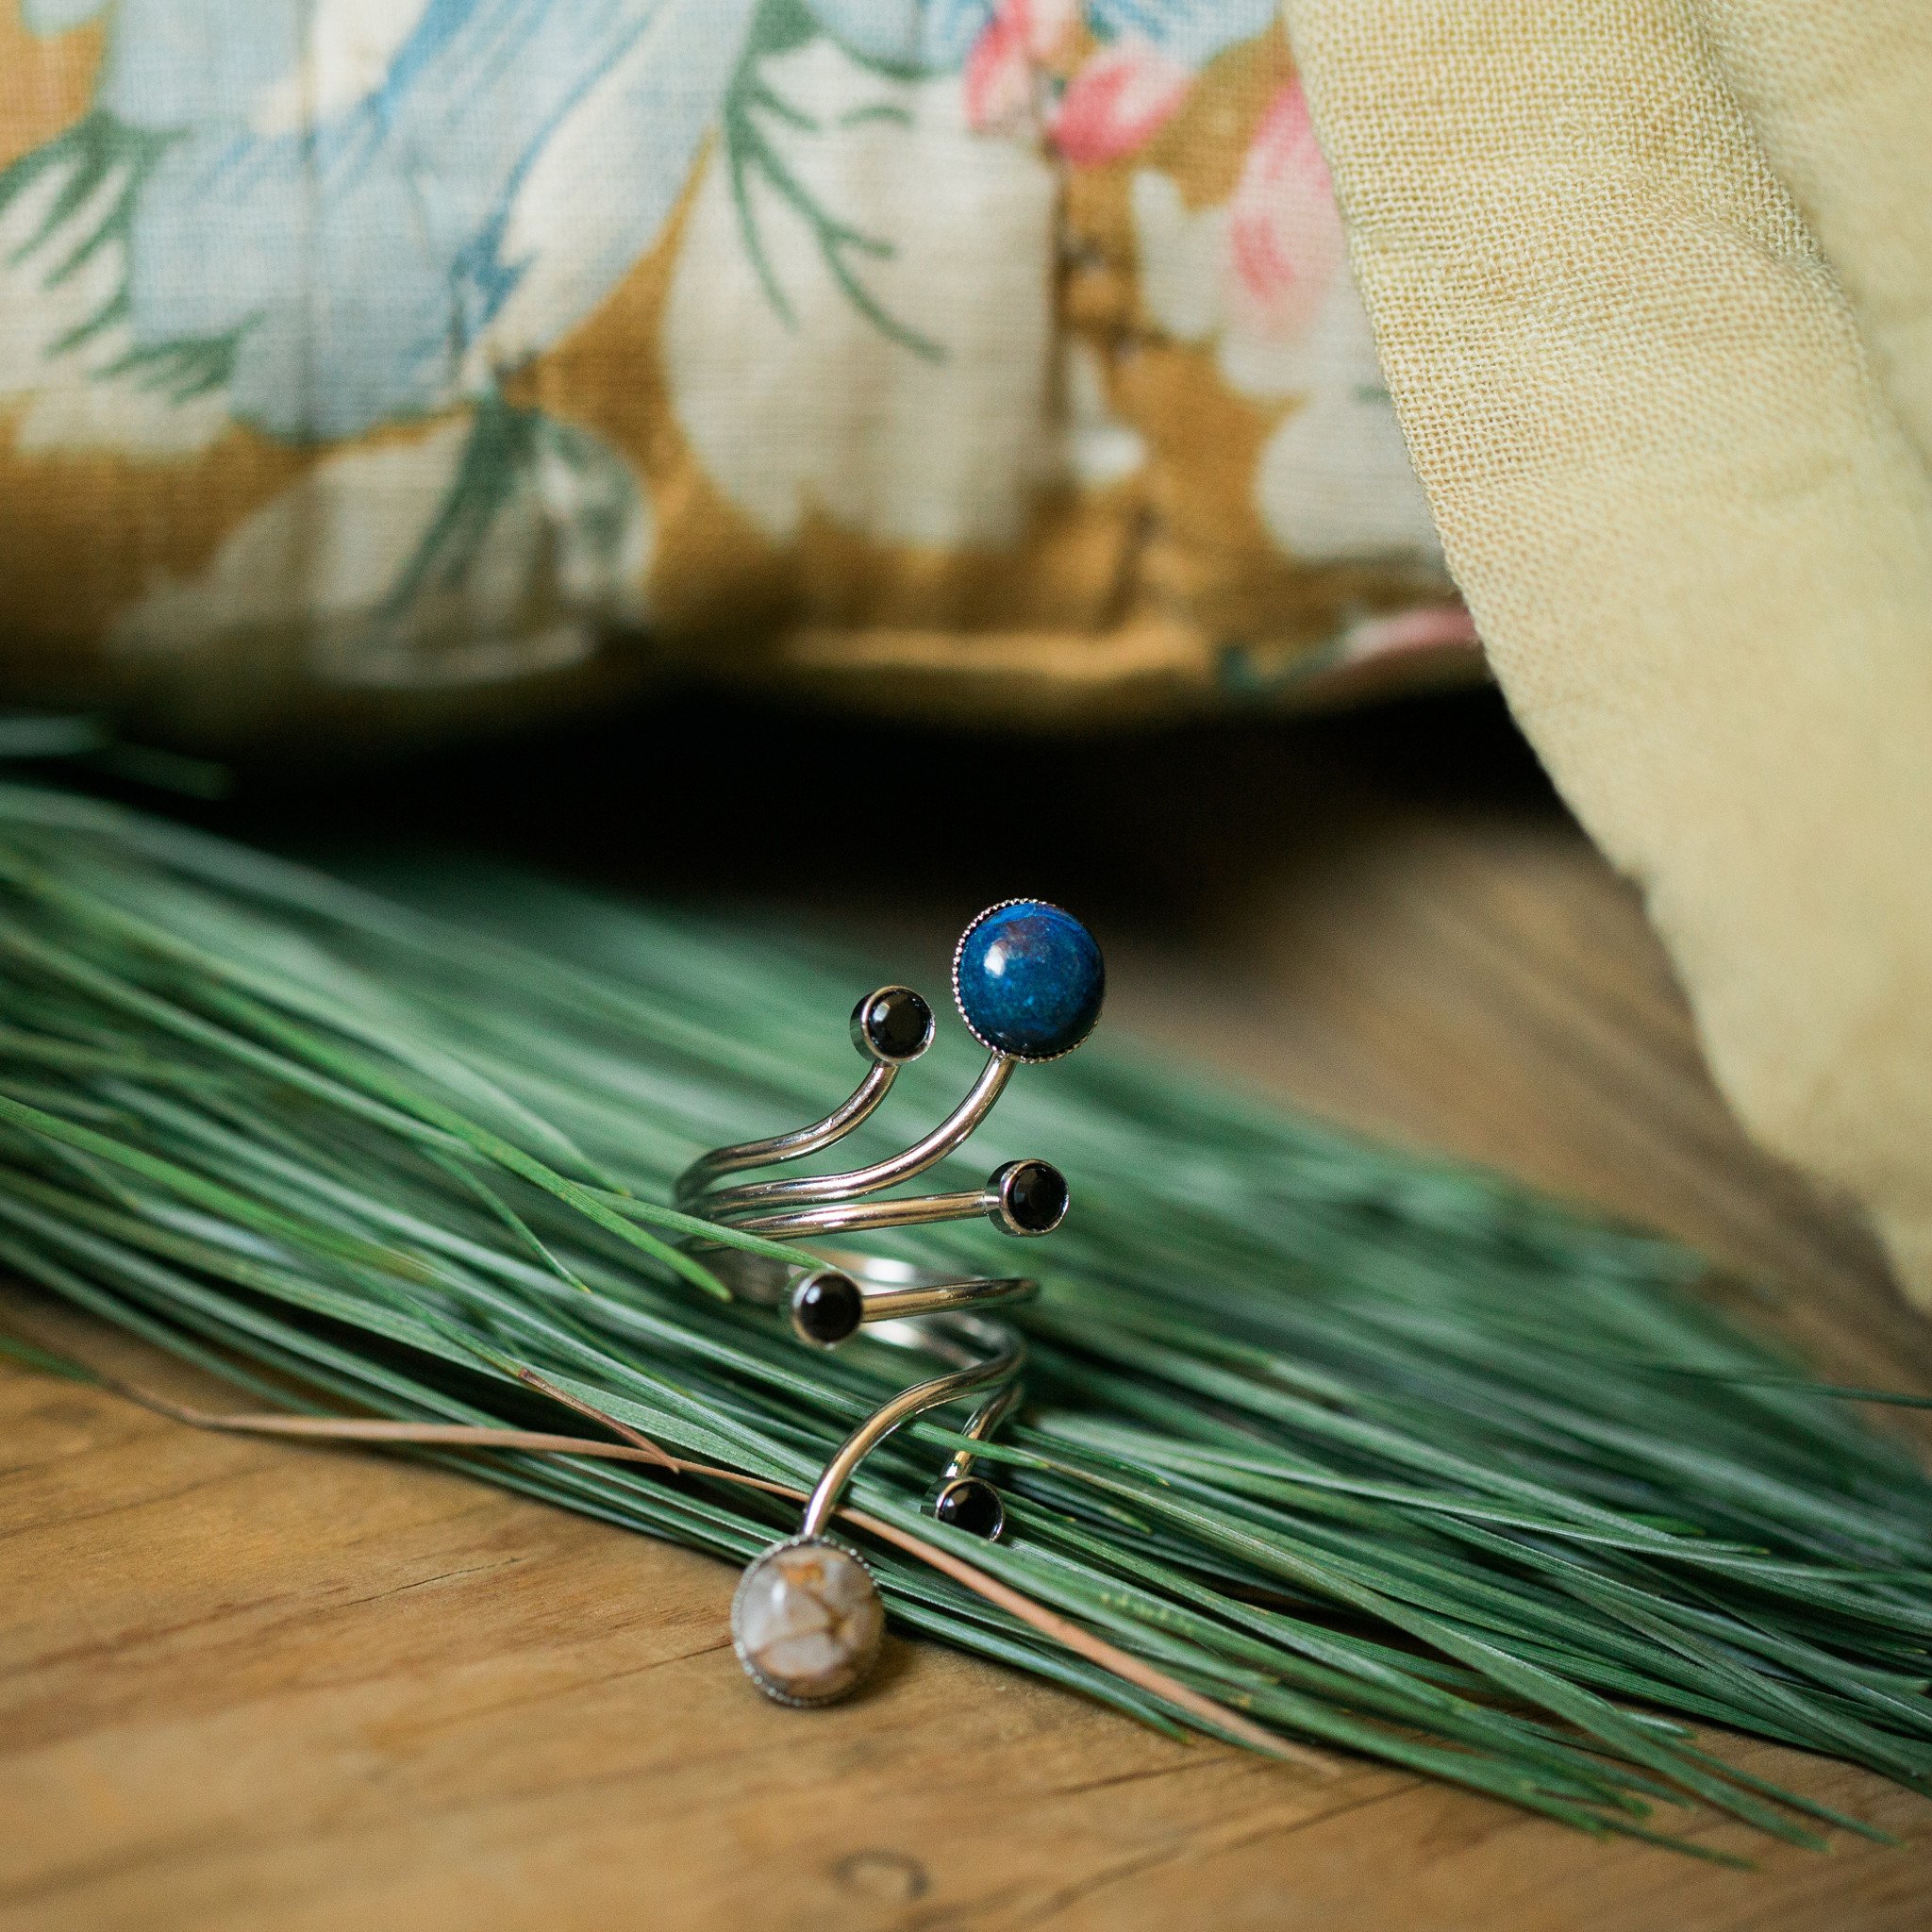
252,1685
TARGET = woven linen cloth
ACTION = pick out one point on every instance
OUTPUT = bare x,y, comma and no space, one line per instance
1652,285
388,367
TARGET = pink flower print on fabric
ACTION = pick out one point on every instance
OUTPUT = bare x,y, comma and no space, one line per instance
1119,101
1023,37
1424,631
1283,232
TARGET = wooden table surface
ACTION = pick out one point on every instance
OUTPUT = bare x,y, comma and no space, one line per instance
245,1684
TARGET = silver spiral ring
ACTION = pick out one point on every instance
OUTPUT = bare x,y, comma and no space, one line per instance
1028,980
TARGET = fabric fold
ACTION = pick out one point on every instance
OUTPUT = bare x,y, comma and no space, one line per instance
1673,461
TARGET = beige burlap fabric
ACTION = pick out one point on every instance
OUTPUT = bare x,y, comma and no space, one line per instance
1652,281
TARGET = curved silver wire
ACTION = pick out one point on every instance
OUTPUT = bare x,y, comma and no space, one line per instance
734,1205
712,1167
940,1314
987,1352
862,1217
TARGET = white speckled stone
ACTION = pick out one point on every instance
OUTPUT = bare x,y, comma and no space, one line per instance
806,1621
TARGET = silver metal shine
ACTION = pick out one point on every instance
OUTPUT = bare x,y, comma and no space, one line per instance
939,1315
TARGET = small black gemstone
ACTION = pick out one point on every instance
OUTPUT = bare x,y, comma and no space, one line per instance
826,1307
1036,1195
971,1505
897,1022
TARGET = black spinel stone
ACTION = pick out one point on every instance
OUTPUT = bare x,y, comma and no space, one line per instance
1036,1196
897,1022
971,1505
826,1307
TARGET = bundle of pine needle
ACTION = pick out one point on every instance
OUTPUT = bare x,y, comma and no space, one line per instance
1324,1446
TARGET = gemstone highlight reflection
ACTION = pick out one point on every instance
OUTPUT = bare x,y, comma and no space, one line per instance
807,1622
1029,980
1036,1196
893,1024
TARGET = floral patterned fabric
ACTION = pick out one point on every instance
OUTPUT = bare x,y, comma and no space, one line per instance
431,363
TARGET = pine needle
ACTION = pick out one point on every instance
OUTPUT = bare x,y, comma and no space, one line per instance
1326,1447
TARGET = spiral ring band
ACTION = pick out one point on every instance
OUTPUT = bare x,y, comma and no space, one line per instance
1028,981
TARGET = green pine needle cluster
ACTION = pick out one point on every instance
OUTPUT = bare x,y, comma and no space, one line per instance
1377,1454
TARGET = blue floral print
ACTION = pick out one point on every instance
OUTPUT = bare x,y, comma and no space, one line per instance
345,267
332,250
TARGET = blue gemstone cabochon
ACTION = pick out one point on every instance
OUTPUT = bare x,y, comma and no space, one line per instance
1029,980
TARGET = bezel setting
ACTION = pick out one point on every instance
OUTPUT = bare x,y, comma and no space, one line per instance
965,1498
862,1667
973,926
1007,1181
866,1039
845,1294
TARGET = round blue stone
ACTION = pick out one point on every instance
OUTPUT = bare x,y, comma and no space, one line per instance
1029,980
